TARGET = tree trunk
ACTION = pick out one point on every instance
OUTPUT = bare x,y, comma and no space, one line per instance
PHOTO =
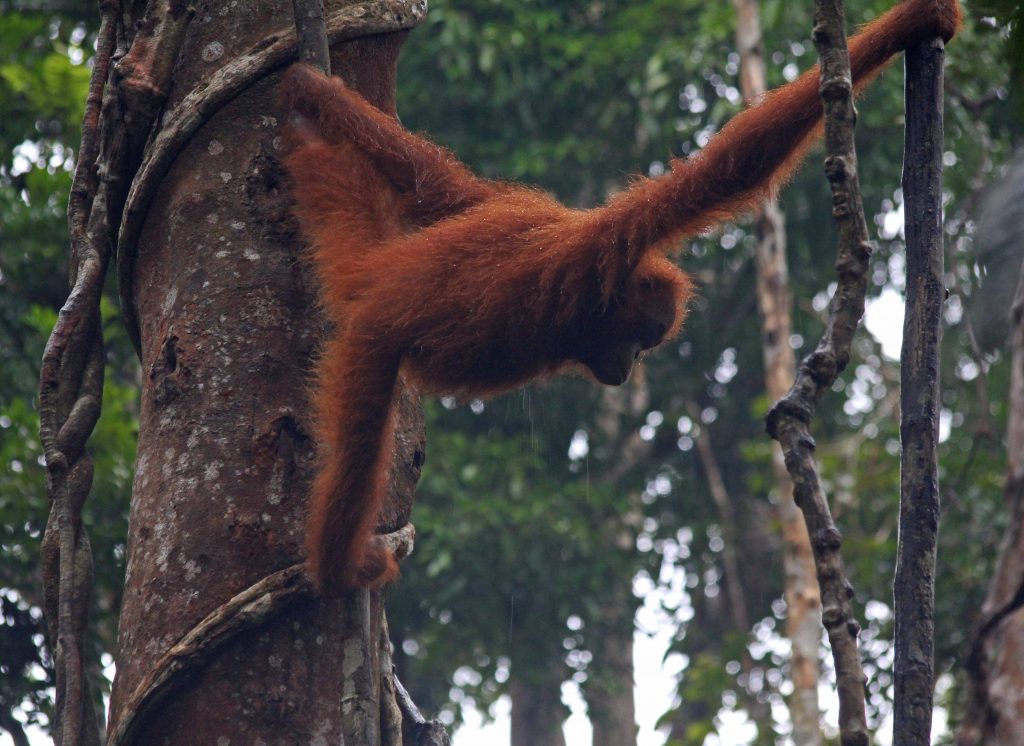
803,599
609,690
537,711
228,328
995,714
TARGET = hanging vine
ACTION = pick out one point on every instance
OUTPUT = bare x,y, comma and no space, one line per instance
789,419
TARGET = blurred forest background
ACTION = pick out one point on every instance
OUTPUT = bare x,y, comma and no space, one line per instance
556,522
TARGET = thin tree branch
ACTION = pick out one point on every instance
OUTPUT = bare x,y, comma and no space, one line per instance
914,587
14,729
311,32
789,418
976,105
391,718
425,732
727,517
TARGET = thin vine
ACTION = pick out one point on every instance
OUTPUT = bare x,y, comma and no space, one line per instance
788,420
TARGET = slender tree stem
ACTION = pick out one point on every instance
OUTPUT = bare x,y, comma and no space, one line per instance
919,424
789,419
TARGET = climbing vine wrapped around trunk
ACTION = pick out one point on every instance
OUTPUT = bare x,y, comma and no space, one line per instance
180,172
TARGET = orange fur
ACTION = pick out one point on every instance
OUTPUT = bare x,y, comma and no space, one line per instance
477,287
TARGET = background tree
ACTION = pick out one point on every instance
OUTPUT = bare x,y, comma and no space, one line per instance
518,509
549,91
994,672
775,303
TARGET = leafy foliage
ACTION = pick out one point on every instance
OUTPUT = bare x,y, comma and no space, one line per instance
573,98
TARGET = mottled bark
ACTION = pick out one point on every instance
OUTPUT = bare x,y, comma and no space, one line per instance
775,301
788,421
228,328
914,587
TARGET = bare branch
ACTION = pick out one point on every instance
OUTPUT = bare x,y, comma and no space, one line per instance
311,31
789,418
426,732
727,518
919,398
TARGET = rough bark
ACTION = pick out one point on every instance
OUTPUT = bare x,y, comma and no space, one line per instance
228,328
788,421
774,300
914,587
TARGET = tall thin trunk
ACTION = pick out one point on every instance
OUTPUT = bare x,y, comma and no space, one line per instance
774,299
610,703
914,585
610,687
730,529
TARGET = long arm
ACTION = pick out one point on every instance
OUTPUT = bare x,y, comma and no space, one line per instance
433,182
757,150
353,402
